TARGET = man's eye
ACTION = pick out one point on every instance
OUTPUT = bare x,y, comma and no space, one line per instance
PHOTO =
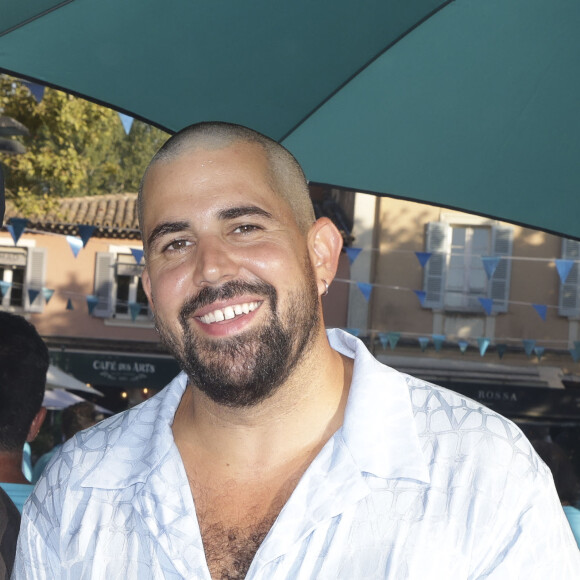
246,229
177,245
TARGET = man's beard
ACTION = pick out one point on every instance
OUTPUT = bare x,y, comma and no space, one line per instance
244,370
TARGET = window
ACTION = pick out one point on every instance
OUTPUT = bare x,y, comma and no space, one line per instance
118,287
455,276
569,302
22,270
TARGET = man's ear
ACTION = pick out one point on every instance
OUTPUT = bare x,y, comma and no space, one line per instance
36,424
324,245
146,281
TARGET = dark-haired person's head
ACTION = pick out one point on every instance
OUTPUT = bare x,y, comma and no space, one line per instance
78,417
23,365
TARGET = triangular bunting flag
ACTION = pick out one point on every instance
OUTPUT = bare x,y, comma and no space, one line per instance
85,232
542,310
423,257
421,295
366,289
32,295
69,304
76,244
394,339
135,309
127,122
490,264
500,348
4,287
463,344
384,338
564,267
137,254
16,228
353,253
423,342
539,351
438,340
10,230
92,301
47,294
529,346
36,90
487,304
483,343
353,331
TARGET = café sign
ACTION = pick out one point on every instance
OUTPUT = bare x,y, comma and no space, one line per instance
119,370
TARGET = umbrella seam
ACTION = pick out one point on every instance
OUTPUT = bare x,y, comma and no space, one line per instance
35,17
363,67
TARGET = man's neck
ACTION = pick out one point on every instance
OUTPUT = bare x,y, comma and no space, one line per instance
292,425
11,467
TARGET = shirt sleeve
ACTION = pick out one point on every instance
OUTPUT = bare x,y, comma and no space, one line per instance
538,545
34,557
38,547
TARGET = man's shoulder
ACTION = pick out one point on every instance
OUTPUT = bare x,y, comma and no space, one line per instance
454,425
123,439
451,409
110,440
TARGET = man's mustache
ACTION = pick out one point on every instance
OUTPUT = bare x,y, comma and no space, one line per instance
226,291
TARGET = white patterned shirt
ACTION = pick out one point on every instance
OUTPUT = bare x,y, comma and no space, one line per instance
419,483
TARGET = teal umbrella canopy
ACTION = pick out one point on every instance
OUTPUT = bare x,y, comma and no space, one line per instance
471,104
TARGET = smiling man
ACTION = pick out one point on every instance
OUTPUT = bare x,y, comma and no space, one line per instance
281,450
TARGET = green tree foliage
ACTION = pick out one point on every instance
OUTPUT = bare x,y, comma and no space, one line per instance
75,148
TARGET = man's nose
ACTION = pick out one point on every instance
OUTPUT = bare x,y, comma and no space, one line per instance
214,261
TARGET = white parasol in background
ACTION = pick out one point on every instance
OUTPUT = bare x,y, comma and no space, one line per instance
58,379
56,399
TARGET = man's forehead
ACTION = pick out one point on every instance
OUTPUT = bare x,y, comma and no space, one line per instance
209,150
201,167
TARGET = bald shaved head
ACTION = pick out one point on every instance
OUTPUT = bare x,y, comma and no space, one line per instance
285,174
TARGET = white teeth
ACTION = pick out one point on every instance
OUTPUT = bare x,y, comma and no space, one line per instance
229,312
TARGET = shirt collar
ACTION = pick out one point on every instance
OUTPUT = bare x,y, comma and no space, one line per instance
379,427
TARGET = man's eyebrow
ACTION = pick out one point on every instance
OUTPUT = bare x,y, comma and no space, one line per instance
242,211
166,228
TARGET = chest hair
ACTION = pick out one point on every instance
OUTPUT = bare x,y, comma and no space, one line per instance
230,550
234,524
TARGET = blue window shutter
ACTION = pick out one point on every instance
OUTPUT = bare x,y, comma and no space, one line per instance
35,276
437,242
568,303
104,278
499,288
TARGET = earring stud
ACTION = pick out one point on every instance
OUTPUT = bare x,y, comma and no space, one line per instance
325,293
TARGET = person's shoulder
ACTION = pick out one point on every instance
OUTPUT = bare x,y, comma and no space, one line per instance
86,449
431,399
127,438
470,430
9,527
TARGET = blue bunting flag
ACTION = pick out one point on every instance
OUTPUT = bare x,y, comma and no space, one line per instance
483,343
423,257
353,253
529,346
490,264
